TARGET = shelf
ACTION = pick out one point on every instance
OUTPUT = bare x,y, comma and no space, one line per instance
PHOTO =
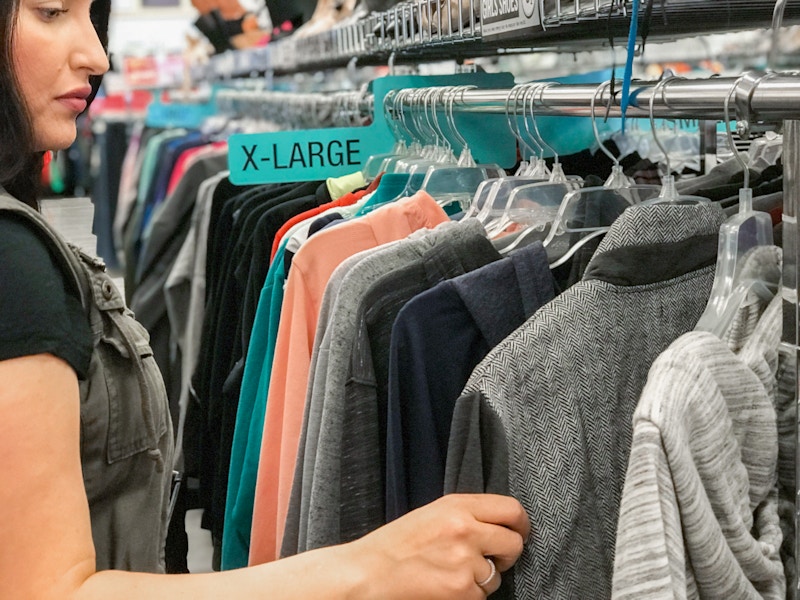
404,34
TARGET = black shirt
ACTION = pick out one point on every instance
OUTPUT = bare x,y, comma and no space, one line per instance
39,312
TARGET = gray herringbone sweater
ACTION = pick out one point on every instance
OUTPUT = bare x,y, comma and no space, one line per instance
563,387
699,511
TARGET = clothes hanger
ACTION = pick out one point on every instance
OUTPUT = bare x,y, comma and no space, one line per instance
452,185
496,206
392,184
434,149
535,205
487,192
439,150
615,195
668,194
738,236
415,148
372,166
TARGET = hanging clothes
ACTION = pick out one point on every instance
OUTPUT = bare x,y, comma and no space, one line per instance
221,345
185,294
311,269
168,228
437,340
546,415
699,510
249,425
343,460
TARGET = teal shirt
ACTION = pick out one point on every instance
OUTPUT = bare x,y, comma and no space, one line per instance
246,448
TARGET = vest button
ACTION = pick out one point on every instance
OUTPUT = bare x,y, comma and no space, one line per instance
108,290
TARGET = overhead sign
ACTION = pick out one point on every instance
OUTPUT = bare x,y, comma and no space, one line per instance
509,19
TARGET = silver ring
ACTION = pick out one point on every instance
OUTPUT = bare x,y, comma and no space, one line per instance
491,574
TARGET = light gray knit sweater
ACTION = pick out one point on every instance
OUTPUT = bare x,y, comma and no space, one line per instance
698,517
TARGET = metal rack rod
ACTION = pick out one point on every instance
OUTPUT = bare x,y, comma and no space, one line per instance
758,99
770,99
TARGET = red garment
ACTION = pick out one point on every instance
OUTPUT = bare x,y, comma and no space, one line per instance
345,200
184,159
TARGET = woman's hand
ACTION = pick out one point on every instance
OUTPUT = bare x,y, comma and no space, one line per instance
440,550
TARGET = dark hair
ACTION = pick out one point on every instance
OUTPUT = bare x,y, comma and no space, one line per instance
20,163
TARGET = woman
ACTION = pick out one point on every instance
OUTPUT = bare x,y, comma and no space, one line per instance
50,51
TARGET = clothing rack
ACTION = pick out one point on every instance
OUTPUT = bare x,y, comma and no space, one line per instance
296,109
756,100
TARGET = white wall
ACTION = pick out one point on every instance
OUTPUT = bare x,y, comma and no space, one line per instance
140,30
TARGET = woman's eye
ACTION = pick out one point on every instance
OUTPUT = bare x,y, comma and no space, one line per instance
50,14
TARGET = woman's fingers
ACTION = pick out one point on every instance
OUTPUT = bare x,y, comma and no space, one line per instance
500,510
490,582
502,544
441,550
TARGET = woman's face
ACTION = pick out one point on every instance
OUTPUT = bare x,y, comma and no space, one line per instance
55,50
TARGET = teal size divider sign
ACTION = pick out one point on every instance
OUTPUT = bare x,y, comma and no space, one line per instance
189,115
315,154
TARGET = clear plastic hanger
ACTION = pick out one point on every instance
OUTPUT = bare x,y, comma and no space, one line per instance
393,185
415,148
456,182
533,206
495,200
668,194
535,167
486,189
738,236
614,196
372,167
435,149
437,153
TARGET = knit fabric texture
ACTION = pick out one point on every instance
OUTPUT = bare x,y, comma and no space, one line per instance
699,511
564,387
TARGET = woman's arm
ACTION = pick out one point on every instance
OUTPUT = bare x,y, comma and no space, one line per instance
47,550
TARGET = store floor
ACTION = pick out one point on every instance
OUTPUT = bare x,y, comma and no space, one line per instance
73,219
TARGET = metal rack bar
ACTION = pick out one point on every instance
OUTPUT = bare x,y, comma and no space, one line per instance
772,100
768,100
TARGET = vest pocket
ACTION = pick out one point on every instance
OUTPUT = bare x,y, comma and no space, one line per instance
135,390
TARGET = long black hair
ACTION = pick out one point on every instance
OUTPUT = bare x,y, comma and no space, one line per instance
20,162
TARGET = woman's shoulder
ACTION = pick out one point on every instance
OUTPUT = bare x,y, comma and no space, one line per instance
21,245
38,311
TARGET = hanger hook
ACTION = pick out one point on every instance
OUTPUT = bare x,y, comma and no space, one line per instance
729,133
429,96
659,88
437,97
541,87
416,119
513,123
400,114
451,116
388,116
528,89
409,95
601,88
